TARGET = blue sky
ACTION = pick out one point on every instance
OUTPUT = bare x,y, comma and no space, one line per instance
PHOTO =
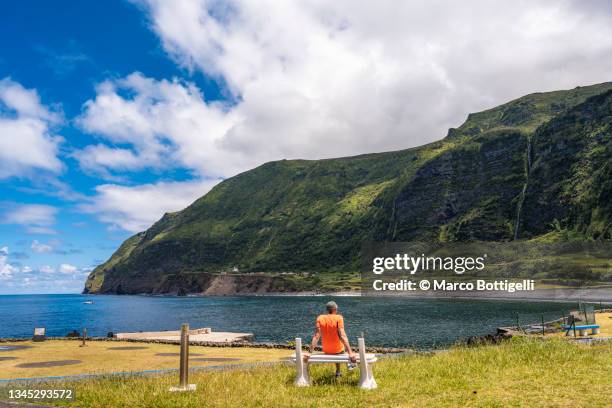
63,49
114,112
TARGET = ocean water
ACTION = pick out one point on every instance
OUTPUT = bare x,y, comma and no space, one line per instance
421,323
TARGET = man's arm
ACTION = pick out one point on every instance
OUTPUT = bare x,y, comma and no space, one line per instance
347,346
315,339
313,344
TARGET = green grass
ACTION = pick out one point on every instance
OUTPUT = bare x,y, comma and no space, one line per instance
522,372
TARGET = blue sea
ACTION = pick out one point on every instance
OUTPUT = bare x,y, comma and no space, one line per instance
420,323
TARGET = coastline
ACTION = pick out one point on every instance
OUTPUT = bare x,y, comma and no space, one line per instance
234,344
390,321
597,295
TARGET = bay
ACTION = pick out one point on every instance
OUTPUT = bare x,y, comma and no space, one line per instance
391,322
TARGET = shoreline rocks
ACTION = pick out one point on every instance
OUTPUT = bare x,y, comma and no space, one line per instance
381,350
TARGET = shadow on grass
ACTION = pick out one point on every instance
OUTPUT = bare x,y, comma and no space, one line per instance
322,377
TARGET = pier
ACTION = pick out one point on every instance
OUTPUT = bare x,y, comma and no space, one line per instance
203,335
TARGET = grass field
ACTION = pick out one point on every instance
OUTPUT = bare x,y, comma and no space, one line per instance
99,357
521,372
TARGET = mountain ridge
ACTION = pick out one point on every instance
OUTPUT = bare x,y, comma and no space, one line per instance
489,179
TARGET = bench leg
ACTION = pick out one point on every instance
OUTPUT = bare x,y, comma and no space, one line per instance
582,332
595,331
366,377
302,379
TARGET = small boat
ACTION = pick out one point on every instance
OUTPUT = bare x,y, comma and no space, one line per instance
88,302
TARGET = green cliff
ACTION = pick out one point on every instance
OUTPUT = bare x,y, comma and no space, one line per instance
538,167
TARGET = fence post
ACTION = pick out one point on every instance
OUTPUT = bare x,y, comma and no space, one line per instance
84,337
184,362
184,367
543,325
518,326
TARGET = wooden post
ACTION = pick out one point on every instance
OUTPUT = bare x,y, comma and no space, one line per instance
543,326
184,362
518,326
84,337
184,366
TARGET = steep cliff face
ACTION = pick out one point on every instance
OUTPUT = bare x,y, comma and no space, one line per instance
528,167
570,183
469,192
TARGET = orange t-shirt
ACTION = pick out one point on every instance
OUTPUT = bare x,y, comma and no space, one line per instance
329,324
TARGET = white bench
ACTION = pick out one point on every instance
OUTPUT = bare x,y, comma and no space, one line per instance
365,361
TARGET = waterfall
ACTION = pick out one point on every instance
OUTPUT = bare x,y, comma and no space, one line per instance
519,207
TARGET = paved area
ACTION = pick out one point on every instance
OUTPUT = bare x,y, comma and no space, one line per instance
194,336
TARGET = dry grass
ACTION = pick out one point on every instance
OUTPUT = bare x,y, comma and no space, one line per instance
605,321
97,358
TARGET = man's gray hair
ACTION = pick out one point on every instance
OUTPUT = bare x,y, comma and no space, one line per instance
331,305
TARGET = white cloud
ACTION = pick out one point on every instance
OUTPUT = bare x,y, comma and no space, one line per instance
97,158
47,269
323,79
167,123
40,248
66,278
6,269
68,269
37,218
26,138
41,230
136,208
44,283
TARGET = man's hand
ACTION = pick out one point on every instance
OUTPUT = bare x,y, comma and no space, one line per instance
306,357
352,357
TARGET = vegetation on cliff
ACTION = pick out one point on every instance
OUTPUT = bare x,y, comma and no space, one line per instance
538,167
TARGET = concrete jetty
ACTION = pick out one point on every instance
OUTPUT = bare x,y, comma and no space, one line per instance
196,335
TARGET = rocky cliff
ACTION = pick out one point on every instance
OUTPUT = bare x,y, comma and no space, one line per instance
537,167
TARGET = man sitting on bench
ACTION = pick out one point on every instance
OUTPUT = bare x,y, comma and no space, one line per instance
331,327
